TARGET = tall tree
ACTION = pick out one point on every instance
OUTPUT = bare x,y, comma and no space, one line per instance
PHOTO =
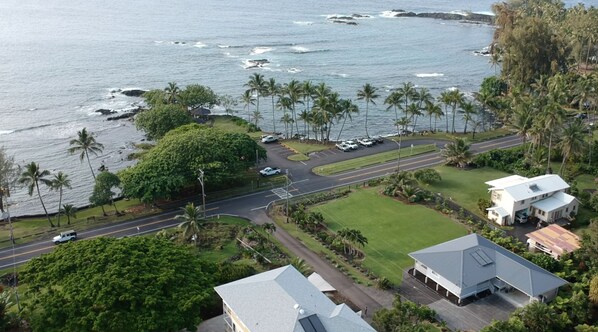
9,173
457,153
172,92
553,117
348,108
468,112
247,99
59,182
367,93
70,211
272,90
102,191
31,177
394,100
445,99
191,222
257,85
434,110
573,141
85,144
456,98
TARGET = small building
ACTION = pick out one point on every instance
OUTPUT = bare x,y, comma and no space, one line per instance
284,300
515,197
553,240
471,265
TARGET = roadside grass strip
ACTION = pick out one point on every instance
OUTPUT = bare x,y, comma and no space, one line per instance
393,229
374,159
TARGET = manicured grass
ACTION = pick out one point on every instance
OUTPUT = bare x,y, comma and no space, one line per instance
585,181
393,229
377,158
465,186
298,157
226,123
479,136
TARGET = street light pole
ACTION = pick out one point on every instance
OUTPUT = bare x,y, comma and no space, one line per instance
203,195
398,158
287,189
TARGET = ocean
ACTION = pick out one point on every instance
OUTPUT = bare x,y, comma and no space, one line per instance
62,60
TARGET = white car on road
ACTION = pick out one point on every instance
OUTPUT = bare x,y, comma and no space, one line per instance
365,142
269,139
270,171
352,144
65,237
343,147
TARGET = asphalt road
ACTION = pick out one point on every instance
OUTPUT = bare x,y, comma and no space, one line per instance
252,206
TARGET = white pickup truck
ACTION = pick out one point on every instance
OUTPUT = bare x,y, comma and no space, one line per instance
270,171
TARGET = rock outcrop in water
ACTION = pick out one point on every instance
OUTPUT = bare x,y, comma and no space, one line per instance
104,111
133,92
256,63
469,17
126,115
348,20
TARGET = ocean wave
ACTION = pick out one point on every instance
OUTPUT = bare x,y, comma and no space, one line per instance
6,132
303,22
229,55
388,14
249,63
199,45
34,127
261,50
300,49
429,75
339,75
294,70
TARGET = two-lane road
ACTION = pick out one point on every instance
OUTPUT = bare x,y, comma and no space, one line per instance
303,182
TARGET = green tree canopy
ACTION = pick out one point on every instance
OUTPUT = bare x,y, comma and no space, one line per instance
196,95
107,284
160,119
102,191
175,162
404,316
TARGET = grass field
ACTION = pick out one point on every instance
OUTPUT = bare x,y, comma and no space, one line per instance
357,163
465,186
392,228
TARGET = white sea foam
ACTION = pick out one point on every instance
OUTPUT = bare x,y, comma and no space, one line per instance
229,55
6,132
303,22
429,75
388,14
261,50
293,70
223,46
300,49
339,75
460,12
199,45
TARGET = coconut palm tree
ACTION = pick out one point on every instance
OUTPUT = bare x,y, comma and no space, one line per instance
572,141
70,211
31,177
256,116
433,109
522,122
247,99
85,144
284,104
294,90
413,112
348,108
257,85
445,98
457,153
287,119
272,90
394,100
407,93
172,92
60,182
192,221
300,265
468,112
553,117
423,97
456,98
269,228
367,93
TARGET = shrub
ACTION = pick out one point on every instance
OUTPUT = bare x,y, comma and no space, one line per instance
383,283
427,176
484,204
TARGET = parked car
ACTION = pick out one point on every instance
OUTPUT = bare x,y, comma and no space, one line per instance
352,144
65,237
269,139
343,147
521,217
365,142
268,171
378,139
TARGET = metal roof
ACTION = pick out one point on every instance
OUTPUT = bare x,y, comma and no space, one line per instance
521,188
321,284
554,202
277,300
472,259
555,238
499,210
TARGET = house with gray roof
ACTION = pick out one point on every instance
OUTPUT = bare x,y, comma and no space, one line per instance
284,300
472,264
515,197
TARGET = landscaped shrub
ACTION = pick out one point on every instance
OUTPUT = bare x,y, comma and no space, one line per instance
508,160
427,176
383,283
374,182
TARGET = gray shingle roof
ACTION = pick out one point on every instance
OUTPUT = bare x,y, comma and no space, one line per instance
266,302
459,262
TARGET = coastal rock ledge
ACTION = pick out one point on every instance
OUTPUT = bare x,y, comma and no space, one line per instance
468,17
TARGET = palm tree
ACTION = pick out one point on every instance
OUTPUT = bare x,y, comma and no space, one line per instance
247,99
413,112
284,103
367,93
85,143
348,108
456,98
60,182
31,177
272,90
572,141
287,119
468,112
294,90
257,85
394,100
69,211
522,122
407,92
256,116
307,91
300,265
445,98
457,153
192,221
423,98
433,109
172,92
553,118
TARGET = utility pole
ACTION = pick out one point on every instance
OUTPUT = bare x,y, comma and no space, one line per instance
203,195
5,192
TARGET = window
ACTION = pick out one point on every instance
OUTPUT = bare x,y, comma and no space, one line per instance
523,202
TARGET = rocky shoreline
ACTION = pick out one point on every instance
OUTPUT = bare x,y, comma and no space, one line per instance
465,18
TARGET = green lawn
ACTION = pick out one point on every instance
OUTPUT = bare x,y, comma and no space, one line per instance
392,228
357,163
465,186
479,137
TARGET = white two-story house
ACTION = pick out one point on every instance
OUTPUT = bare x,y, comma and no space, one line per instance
515,197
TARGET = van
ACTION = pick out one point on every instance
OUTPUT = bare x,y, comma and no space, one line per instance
65,237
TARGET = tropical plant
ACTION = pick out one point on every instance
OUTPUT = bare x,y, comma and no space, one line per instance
272,90
300,265
9,173
367,93
269,228
102,193
456,98
192,221
434,110
60,182
172,92
69,211
85,144
257,85
347,108
468,112
457,153
247,99
31,177
552,117
573,141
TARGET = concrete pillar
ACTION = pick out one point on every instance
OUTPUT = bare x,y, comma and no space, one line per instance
426,279
447,293
437,287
